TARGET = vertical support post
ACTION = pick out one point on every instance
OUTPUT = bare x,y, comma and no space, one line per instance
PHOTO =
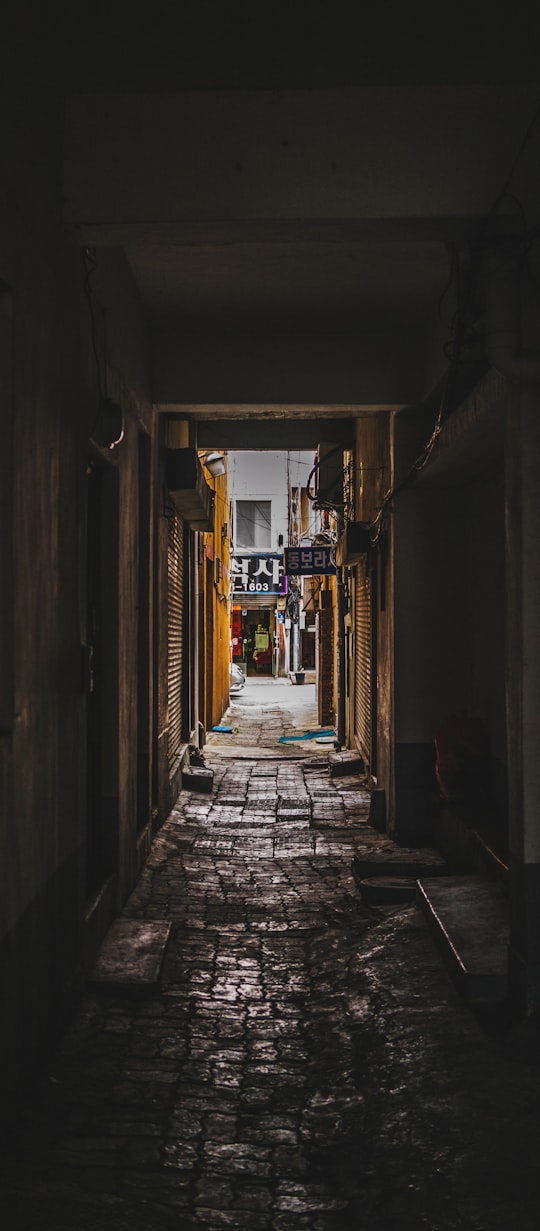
340,646
523,690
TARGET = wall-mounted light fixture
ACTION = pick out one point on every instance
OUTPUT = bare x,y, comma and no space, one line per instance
108,429
215,463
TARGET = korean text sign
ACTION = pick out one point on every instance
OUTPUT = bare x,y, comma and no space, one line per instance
308,561
258,574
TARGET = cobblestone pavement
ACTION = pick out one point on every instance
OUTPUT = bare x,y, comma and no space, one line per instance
303,1063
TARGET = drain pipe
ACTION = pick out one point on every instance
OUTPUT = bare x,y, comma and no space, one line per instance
502,320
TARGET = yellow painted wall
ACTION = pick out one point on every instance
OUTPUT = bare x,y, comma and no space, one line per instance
215,583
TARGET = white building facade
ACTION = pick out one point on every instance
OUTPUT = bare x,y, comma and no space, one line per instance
265,619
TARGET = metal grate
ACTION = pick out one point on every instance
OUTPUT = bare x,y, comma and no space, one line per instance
175,637
363,682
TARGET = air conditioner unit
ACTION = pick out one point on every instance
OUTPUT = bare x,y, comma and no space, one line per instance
329,475
354,543
188,489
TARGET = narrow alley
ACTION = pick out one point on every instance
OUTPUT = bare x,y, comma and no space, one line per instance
301,1060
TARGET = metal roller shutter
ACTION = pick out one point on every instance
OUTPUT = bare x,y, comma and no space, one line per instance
362,667
175,637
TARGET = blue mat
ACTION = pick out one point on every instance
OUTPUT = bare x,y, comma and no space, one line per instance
224,730
290,739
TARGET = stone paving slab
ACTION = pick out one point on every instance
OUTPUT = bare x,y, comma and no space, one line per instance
132,954
303,1064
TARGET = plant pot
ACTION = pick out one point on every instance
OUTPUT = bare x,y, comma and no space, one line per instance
300,677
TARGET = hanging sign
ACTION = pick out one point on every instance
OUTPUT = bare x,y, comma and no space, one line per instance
309,561
258,574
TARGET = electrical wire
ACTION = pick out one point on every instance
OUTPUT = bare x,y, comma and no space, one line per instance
90,266
330,506
104,405
452,253
377,522
506,186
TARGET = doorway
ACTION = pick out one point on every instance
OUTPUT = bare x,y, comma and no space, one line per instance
253,634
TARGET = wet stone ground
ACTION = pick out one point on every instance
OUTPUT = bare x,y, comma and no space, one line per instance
302,1063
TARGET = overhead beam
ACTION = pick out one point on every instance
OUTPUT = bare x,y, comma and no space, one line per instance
267,410
228,233
261,433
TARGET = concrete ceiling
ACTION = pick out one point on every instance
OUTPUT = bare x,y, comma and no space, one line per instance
289,191
290,44
300,286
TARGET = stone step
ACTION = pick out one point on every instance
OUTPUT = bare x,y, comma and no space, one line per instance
131,955
398,861
387,890
345,762
469,919
197,779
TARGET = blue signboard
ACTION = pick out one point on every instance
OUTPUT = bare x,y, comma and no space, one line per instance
309,561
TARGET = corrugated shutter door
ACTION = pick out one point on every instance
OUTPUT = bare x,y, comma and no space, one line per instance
362,691
175,636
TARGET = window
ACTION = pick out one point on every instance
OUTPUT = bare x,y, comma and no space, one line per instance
253,523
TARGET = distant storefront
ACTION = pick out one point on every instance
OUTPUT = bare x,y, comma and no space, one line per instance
258,585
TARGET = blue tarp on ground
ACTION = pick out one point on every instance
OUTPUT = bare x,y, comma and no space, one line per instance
290,739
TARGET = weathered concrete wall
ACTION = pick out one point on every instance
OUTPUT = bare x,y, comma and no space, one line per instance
123,357
49,376
449,579
487,587
432,617
42,744
523,689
